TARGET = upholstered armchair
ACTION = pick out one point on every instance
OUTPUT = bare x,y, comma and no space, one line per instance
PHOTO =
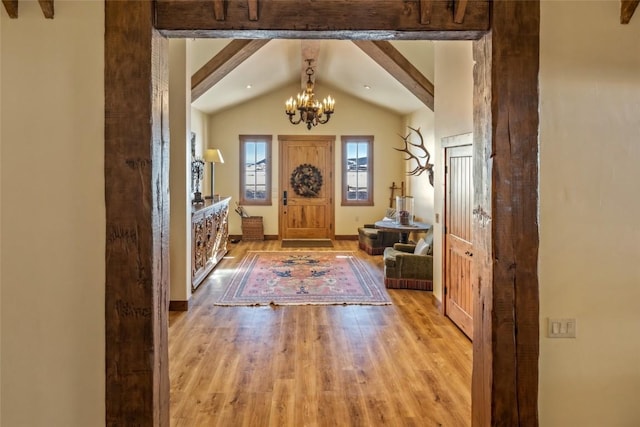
373,240
410,266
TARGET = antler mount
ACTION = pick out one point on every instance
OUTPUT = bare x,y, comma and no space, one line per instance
422,160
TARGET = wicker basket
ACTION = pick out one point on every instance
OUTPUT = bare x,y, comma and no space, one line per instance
252,228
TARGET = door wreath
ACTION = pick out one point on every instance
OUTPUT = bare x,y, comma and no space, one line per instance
306,180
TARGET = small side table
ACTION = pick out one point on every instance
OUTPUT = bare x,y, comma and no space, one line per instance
404,230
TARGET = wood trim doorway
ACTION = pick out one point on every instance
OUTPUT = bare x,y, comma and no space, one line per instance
306,213
506,347
458,293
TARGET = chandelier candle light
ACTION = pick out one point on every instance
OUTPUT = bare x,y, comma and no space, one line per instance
311,110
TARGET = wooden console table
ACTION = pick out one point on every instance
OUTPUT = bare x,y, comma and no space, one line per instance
209,233
404,230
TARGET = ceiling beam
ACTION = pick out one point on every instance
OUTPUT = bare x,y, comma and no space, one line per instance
11,6
252,5
47,8
627,8
218,10
370,19
426,9
389,58
460,9
222,64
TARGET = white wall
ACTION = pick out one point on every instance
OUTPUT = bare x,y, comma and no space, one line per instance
265,116
180,171
53,216
589,263
418,186
453,116
422,56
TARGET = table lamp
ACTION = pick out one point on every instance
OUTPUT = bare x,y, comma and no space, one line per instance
212,155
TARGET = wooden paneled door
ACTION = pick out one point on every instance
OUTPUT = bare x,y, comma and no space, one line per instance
306,187
458,288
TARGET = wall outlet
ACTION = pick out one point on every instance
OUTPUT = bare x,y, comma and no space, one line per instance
561,328
357,218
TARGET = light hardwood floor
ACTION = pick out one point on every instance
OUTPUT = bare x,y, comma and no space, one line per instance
398,365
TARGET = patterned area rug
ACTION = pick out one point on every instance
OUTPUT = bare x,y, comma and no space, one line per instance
301,278
307,243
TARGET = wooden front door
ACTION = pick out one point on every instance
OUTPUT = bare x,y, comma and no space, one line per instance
458,245
306,187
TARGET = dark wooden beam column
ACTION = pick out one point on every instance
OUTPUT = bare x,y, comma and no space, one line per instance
482,267
506,320
137,216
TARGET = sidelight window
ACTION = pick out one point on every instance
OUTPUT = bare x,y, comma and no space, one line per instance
255,169
357,170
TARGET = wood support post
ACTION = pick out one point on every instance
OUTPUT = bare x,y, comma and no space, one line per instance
505,231
137,216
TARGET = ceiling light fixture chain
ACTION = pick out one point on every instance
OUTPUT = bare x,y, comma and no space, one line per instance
311,111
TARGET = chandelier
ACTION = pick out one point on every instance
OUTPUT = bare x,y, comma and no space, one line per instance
311,111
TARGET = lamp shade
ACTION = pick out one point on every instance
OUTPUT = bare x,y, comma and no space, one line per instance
213,155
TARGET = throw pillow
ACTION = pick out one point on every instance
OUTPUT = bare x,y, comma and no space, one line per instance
421,247
429,240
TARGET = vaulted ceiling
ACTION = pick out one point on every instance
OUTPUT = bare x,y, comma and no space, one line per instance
395,75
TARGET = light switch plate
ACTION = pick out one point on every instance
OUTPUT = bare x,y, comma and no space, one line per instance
561,328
